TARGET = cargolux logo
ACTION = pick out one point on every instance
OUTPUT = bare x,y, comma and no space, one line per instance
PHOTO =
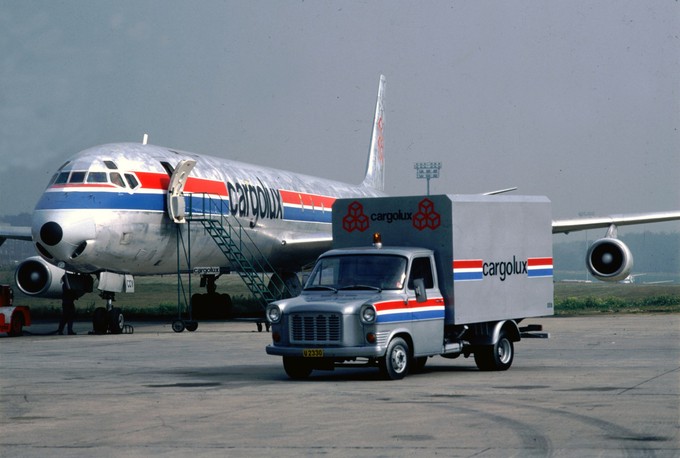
426,217
355,219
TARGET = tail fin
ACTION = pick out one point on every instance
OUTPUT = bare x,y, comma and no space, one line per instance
375,168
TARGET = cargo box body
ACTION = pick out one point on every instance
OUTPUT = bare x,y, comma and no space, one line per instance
493,253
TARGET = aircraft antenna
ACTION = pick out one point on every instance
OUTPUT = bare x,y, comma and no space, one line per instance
145,139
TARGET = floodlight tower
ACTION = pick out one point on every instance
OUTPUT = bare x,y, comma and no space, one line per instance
427,170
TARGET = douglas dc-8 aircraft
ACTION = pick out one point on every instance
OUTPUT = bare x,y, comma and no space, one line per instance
116,211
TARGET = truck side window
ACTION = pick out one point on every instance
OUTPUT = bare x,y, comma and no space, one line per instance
421,268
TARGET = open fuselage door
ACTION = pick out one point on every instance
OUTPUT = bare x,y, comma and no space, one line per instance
176,206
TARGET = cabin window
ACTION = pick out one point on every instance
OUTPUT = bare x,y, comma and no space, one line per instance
117,179
110,165
77,177
97,177
131,180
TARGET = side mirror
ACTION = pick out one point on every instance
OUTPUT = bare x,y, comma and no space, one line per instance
419,285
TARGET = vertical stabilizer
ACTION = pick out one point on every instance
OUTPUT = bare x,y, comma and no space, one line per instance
375,169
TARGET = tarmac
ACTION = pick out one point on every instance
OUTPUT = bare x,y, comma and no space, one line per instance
605,385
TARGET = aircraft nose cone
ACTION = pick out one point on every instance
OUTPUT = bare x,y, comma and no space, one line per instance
51,233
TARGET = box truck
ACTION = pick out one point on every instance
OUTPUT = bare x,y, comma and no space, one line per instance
412,277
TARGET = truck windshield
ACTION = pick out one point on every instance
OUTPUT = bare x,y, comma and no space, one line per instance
359,271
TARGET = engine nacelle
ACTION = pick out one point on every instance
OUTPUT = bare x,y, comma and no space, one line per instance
609,259
37,277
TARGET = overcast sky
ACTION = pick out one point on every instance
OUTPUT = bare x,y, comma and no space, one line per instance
576,100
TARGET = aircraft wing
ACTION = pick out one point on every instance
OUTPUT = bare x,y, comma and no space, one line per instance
297,250
595,222
15,232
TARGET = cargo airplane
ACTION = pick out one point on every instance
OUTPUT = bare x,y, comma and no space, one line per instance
117,211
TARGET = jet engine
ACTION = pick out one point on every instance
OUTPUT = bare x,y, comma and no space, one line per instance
609,259
37,277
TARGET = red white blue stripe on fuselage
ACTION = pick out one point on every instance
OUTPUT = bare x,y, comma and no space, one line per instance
397,311
201,197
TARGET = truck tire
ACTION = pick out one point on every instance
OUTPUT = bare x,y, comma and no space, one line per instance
496,357
396,363
296,368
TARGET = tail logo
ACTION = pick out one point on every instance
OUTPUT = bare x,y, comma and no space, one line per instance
381,142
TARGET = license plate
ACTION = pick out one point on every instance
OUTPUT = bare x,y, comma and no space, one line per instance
312,353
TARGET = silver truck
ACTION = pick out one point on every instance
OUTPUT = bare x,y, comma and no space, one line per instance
456,276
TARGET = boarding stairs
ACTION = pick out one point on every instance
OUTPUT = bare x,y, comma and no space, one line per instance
238,247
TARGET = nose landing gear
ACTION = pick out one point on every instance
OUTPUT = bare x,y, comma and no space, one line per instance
109,319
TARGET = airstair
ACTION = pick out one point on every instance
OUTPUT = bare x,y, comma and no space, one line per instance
244,257
239,248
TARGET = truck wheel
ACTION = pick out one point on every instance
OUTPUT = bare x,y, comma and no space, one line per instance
16,327
497,357
296,368
395,364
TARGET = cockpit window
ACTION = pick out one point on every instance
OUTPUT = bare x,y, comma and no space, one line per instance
97,177
131,180
117,179
62,178
110,165
77,177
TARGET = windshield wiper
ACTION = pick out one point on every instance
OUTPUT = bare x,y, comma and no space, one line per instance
321,287
361,287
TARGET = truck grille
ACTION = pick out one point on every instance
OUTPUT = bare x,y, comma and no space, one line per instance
315,328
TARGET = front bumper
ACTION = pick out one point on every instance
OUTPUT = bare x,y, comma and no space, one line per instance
373,351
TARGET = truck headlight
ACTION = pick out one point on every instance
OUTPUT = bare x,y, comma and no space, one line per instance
367,314
273,313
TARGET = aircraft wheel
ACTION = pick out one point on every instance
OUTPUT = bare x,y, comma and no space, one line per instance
178,325
116,321
191,325
99,321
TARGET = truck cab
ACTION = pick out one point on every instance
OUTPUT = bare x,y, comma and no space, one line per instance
354,304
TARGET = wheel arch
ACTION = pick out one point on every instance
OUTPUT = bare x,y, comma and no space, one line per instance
489,333
404,334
